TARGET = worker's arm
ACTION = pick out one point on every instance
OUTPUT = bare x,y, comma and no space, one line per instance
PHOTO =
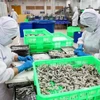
14,56
81,39
15,71
97,55
16,14
6,73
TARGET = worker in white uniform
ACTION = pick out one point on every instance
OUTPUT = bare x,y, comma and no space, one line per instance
14,14
90,39
8,31
75,17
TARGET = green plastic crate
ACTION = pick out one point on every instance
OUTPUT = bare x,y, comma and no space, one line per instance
92,93
29,37
71,30
26,20
61,40
41,46
34,51
82,10
54,43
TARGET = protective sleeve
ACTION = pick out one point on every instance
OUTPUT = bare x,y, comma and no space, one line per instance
81,39
5,73
97,55
16,14
13,55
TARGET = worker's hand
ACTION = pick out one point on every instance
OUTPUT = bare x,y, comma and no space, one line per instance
25,66
80,48
20,58
81,53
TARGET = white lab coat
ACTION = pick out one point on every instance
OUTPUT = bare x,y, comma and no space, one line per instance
8,30
6,73
14,15
91,40
75,17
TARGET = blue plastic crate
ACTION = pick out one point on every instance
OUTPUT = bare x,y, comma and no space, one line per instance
76,36
25,25
47,24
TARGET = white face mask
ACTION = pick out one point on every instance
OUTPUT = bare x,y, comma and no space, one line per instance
7,43
89,29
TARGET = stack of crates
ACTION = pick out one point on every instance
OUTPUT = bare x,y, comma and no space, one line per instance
71,30
41,40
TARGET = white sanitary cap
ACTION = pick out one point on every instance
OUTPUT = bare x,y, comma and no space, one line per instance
8,30
75,9
12,9
90,18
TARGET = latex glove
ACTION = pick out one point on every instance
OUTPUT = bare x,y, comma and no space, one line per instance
80,48
20,58
25,66
81,53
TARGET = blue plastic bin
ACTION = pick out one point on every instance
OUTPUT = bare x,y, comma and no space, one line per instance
62,22
25,25
76,36
47,24
37,17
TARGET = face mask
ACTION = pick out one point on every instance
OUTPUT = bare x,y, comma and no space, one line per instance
7,43
89,29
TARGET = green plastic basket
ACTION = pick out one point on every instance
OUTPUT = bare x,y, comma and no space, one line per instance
62,40
34,51
41,48
92,93
71,30
26,20
31,36
52,42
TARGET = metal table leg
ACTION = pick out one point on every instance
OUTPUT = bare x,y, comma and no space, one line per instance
14,97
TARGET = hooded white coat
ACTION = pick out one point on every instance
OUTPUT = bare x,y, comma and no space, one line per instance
14,14
75,17
91,36
8,30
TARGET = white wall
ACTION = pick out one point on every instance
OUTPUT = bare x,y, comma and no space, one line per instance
25,3
3,9
74,3
94,3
